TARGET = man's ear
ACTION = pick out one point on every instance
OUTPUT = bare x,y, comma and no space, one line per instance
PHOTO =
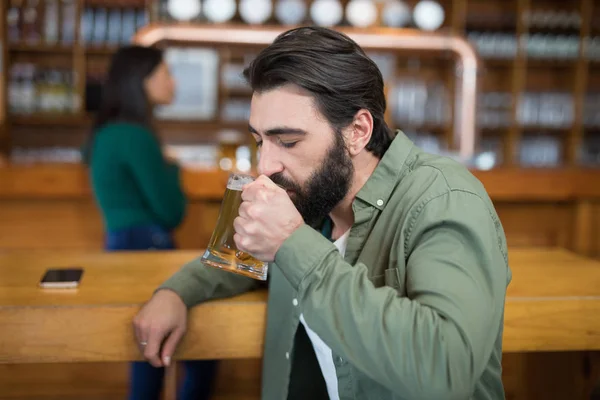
358,134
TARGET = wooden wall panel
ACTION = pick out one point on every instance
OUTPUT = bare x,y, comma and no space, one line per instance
596,231
547,376
74,223
198,226
536,224
103,381
77,224
67,380
49,224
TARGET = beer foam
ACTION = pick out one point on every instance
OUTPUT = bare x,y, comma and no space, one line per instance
236,182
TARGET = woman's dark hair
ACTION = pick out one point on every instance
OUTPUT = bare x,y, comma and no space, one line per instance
124,98
334,69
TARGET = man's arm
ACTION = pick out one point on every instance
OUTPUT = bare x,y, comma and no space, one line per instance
196,283
162,322
436,342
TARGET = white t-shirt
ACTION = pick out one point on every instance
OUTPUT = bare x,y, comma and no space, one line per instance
322,351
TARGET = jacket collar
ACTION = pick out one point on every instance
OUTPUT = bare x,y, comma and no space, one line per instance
378,188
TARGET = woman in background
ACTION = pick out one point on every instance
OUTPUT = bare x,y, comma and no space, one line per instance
136,188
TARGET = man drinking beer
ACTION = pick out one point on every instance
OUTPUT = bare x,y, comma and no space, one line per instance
388,266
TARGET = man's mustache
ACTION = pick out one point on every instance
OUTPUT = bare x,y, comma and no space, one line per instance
285,183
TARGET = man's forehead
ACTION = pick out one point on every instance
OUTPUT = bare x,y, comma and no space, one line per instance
284,106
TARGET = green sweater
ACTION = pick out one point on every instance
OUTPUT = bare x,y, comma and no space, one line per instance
132,183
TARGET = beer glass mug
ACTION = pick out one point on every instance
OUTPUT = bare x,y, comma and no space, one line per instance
222,252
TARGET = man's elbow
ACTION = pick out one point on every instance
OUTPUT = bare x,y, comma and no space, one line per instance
447,390
455,380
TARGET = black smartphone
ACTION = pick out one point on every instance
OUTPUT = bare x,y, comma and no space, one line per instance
61,278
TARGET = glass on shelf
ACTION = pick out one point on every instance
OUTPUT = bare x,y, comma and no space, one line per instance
546,109
494,110
539,150
36,90
54,154
417,103
589,152
194,156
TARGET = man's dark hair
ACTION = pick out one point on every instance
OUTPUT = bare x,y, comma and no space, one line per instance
334,69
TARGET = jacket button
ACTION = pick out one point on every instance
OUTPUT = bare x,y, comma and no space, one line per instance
295,302
379,202
287,355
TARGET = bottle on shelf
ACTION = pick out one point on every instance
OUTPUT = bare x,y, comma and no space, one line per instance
14,20
47,91
51,19
68,16
31,22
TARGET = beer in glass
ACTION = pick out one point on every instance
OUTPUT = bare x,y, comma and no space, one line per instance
222,252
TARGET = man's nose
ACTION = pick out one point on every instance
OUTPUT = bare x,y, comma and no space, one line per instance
268,160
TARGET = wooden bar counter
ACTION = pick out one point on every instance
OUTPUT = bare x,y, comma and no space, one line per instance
93,322
553,304
50,206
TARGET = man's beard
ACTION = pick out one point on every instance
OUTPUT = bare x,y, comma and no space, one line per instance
325,188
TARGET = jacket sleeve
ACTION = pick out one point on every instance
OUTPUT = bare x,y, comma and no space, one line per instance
158,180
432,344
196,283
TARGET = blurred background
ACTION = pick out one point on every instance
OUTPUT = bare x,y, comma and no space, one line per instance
537,123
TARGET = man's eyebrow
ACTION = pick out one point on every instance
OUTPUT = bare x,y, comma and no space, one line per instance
282,130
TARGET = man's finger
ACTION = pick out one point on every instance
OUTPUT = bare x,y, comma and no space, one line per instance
243,210
141,334
240,242
249,192
170,345
238,226
266,182
152,348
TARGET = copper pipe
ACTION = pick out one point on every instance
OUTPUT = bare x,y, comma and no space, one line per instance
404,40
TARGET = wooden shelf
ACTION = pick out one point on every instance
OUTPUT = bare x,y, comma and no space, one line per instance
50,120
61,49
204,125
84,120
546,129
498,62
556,64
431,128
532,63
116,3
101,50
42,48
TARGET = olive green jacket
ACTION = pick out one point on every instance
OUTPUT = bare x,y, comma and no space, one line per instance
415,308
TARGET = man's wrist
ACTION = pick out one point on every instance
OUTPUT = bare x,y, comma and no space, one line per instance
302,251
287,237
165,291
